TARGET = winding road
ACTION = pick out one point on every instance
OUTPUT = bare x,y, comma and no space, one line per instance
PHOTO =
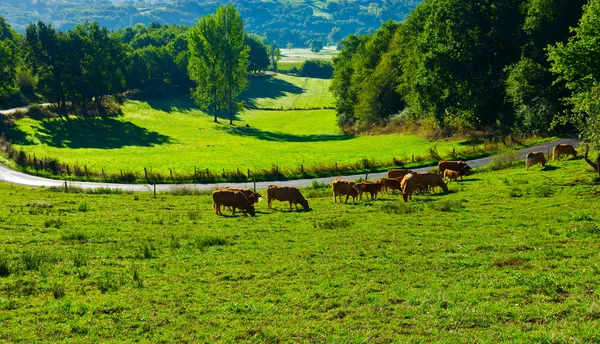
11,176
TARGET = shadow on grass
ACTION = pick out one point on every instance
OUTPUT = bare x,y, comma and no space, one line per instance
267,86
550,168
14,134
104,133
174,103
282,137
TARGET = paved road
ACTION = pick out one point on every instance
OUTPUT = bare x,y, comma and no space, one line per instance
11,176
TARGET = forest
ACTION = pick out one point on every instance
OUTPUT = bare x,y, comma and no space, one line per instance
297,22
509,66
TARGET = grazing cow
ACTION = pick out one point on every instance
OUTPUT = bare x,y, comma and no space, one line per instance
373,188
391,183
565,149
286,193
430,180
231,198
452,175
344,187
535,158
408,184
459,166
398,173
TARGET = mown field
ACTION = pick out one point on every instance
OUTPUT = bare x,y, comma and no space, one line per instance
504,256
171,133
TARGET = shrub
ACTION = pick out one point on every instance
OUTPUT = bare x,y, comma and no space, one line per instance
38,112
107,282
35,260
503,160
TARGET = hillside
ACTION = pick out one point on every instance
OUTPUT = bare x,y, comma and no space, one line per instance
295,22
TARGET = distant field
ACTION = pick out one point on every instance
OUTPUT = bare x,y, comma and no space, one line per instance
506,256
172,133
301,55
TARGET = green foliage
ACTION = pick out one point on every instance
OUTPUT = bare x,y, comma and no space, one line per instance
258,54
219,60
317,69
574,62
315,46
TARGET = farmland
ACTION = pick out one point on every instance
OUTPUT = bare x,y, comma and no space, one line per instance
172,133
504,256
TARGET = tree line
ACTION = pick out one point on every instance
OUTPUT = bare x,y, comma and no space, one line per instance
510,66
78,68
281,22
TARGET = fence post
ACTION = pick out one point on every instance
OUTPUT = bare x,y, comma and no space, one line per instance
195,175
255,186
68,172
146,173
413,158
367,176
248,173
336,167
171,173
154,190
207,173
85,168
103,174
66,190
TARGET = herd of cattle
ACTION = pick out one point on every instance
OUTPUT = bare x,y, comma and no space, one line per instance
404,180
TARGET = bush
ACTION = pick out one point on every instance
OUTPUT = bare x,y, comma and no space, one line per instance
317,69
38,112
504,160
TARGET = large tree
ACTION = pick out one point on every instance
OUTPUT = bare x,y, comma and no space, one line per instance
576,62
205,65
219,59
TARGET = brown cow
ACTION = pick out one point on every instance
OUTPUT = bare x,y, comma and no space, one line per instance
459,166
372,187
452,175
398,173
344,187
565,149
391,183
535,158
409,184
430,180
252,196
231,198
286,193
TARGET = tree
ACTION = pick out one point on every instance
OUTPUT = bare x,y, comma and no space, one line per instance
258,55
234,54
316,46
218,60
8,67
289,47
205,66
576,63
274,55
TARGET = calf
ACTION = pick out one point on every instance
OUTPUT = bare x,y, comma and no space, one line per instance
391,183
452,175
231,198
286,193
535,158
565,149
344,187
373,188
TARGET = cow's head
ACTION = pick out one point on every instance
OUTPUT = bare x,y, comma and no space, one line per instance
304,203
405,197
251,211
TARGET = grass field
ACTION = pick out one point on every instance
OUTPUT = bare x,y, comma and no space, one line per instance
171,133
504,256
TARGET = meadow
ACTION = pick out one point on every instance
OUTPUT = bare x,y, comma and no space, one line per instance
170,133
505,256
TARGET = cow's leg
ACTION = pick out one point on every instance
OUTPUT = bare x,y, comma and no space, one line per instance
291,205
335,198
346,199
270,202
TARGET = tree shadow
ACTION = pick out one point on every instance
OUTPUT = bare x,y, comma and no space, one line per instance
14,134
267,86
169,104
105,133
282,137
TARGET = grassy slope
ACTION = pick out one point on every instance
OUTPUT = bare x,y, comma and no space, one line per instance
490,268
172,133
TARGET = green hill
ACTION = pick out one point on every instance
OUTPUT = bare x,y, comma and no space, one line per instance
281,22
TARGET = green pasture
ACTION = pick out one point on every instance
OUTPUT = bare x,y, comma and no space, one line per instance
171,133
506,256
301,55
